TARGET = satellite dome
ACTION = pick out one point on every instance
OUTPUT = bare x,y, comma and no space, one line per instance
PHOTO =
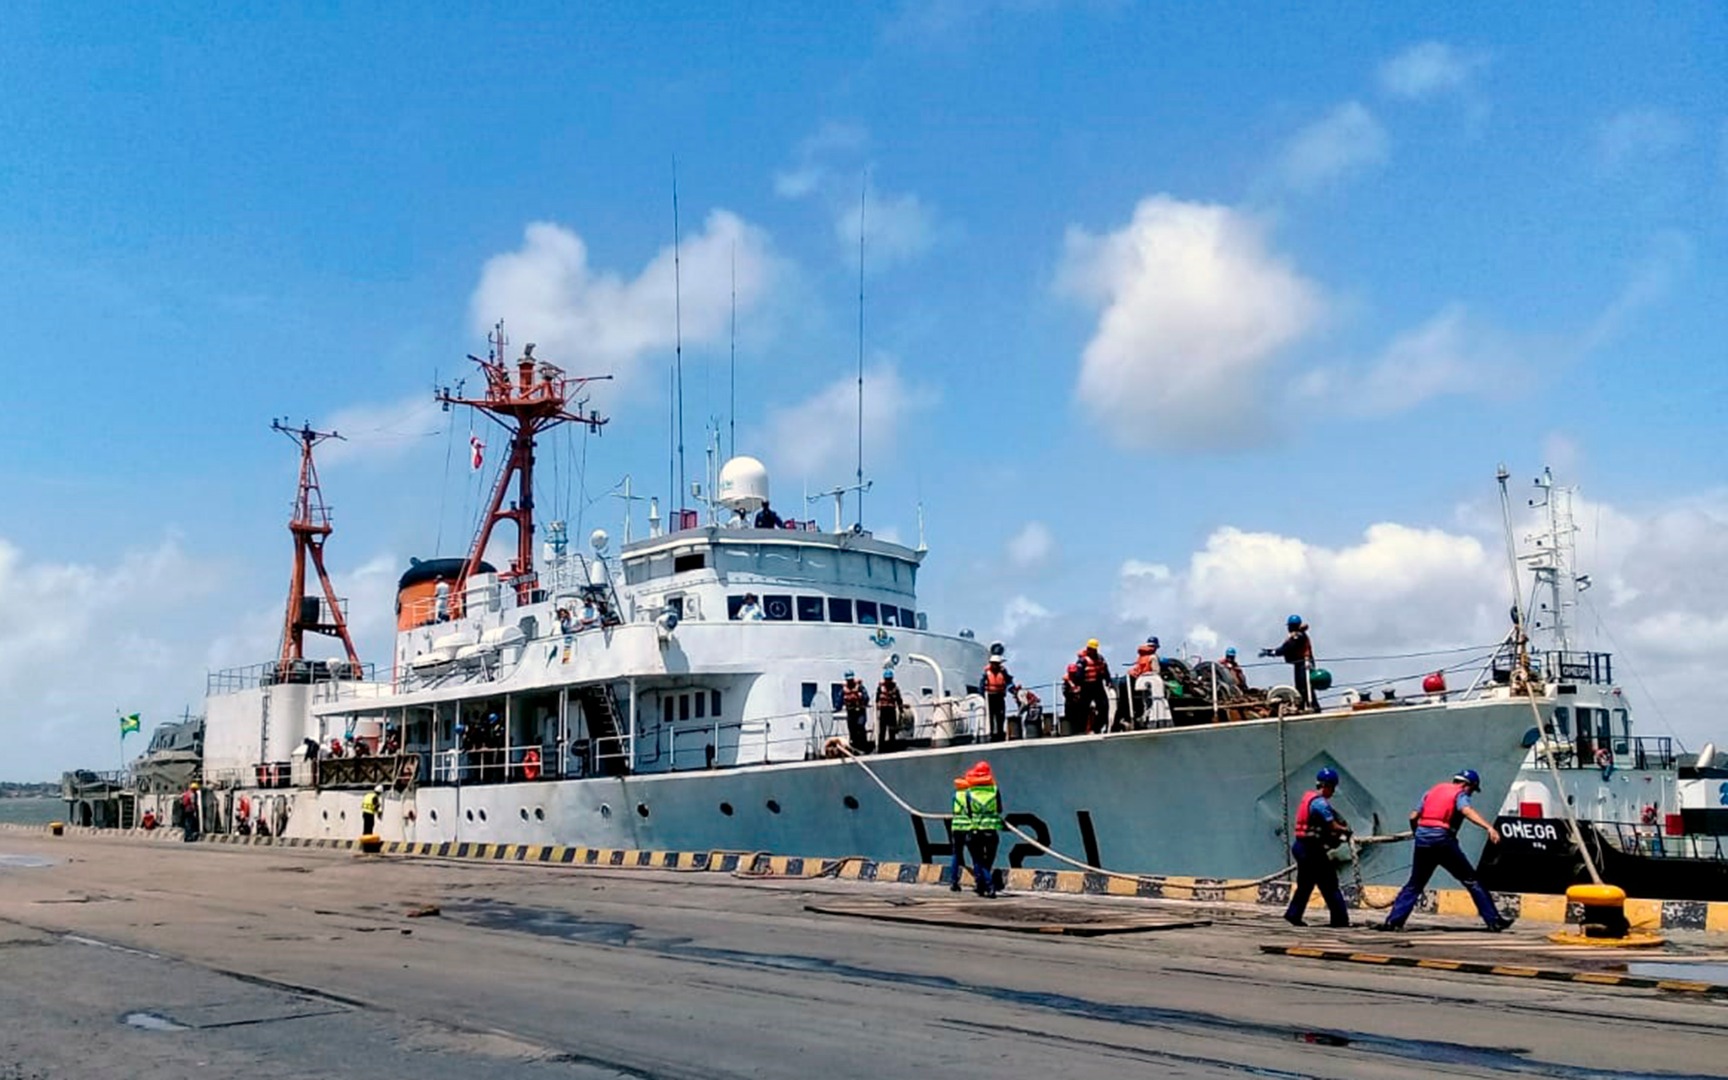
599,539
743,484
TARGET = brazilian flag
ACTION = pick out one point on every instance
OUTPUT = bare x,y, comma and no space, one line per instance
128,724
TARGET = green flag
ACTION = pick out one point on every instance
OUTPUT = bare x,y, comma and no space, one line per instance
128,724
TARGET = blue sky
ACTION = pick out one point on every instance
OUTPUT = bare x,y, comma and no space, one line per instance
1166,307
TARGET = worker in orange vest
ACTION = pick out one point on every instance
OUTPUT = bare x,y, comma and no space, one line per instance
997,684
1094,687
1436,821
1317,829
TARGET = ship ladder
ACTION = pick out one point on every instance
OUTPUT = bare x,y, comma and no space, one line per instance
604,728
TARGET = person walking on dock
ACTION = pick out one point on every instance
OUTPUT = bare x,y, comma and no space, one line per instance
1318,828
1436,821
889,706
857,705
371,805
997,684
983,821
959,824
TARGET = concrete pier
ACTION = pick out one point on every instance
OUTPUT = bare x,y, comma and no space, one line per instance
156,960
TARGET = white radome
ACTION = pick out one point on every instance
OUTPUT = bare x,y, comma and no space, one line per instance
743,484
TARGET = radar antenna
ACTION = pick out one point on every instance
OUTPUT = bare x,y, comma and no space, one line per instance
535,397
310,527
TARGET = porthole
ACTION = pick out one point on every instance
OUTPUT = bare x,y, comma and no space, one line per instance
539,813
851,802
726,808
641,809
433,814
524,813
470,815
343,814
773,806
605,811
326,815
482,815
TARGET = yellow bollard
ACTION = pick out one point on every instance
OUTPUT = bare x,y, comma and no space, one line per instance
57,828
1604,922
371,843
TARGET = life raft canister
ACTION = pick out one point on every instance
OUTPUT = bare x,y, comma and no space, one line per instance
531,765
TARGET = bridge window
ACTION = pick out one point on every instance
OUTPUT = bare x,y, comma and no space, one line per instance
837,693
839,610
809,694
1563,721
714,702
908,619
701,705
697,560
867,613
809,609
777,608
683,706
890,615
666,708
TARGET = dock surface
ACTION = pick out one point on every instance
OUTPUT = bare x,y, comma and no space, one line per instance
175,960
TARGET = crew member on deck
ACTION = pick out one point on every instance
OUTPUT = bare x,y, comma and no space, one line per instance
751,609
1298,651
997,684
889,705
1318,828
1436,821
1094,687
1072,708
766,518
1229,664
856,702
370,807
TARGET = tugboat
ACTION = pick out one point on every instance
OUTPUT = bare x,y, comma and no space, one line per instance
1640,803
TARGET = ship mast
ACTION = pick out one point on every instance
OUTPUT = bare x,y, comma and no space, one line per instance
310,527
535,397
1552,561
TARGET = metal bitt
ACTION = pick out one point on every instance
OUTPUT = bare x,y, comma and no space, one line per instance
310,527
524,398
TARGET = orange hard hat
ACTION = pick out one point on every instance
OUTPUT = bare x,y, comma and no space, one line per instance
961,783
980,773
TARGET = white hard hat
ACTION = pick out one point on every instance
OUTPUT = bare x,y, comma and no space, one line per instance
379,788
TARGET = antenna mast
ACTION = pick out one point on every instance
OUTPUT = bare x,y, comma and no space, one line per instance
678,338
858,480
732,371
1553,556
533,398
310,527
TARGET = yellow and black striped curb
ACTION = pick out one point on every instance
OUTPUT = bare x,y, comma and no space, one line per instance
1510,971
1531,908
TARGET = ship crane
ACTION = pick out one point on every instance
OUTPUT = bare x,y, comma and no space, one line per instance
310,527
524,398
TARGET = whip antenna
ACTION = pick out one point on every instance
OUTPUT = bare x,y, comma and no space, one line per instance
863,194
678,340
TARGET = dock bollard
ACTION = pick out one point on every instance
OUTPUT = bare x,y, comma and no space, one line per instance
371,843
1604,910
57,828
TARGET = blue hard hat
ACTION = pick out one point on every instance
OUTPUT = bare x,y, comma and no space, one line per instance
849,673
1327,775
1468,776
1231,651
1294,620
1152,641
887,673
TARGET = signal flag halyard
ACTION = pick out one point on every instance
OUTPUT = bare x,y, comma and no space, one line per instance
128,724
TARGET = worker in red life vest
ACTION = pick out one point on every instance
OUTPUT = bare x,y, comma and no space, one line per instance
1436,821
997,684
1318,828
1094,687
856,702
1229,664
889,706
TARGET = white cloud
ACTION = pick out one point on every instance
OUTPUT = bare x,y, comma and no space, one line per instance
1651,278
1019,613
1032,546
1348,139
591,321
811,167
816,439
1194,312
1428,69
1639,135
898,228
1450,354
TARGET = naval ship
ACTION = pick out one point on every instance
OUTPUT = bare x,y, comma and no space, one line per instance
682,692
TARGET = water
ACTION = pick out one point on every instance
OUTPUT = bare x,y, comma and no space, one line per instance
31,811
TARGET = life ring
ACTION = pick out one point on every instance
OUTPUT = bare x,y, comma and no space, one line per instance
531,765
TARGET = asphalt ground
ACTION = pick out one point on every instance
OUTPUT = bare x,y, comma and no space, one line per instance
168,960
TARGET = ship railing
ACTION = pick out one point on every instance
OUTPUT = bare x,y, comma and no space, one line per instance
515,763
1596,668
1645,752
1653,842
314,672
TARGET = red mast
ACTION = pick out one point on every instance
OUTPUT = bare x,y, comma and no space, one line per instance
310,526
533,398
